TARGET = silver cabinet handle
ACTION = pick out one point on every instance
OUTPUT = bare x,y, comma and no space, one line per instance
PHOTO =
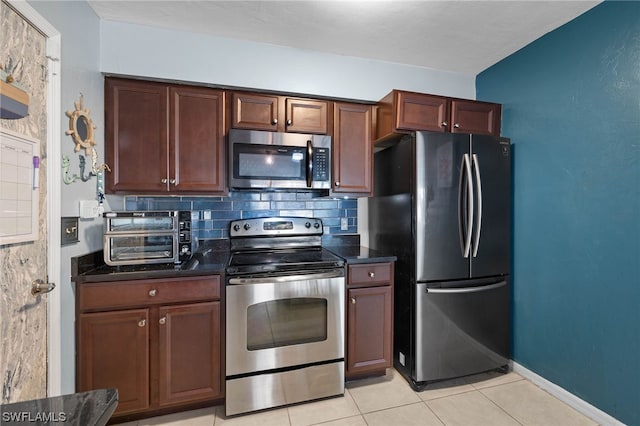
456,125
153,292
444,124
172,181
289,122
274,121
163,320
337,184
372,274
163,180
353,300
142,323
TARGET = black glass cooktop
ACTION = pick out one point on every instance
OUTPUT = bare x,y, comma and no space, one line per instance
282,260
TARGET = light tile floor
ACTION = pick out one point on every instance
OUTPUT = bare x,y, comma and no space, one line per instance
485,399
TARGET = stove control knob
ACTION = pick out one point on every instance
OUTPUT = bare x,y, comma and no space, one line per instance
307,225
247,226
316,225
236,227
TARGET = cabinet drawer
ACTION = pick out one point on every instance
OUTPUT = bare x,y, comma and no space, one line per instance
370,273
96,296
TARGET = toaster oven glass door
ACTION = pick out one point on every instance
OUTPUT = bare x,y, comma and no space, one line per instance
140,249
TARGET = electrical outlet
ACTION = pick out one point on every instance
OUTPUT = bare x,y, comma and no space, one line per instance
206,215
89,209
344,224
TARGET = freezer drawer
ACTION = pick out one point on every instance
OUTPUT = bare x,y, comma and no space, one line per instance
461,330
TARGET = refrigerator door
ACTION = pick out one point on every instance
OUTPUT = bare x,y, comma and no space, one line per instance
441,215
461,330
491,175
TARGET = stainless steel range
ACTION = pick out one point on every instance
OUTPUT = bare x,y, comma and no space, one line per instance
284,316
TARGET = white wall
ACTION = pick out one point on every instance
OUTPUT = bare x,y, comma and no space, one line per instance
144,51
91,47
79,29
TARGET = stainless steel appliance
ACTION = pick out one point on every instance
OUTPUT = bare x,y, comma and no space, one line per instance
285,300
272,160
442,206
144,237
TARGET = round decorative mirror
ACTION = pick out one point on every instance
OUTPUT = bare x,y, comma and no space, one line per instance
81,127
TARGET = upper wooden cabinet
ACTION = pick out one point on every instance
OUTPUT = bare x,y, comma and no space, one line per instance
401,111
352,149
163,138
258,111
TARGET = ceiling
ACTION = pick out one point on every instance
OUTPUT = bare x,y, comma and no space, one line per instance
458,36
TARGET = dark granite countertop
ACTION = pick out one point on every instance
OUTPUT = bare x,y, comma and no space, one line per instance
360,254
210,258
93,408
348,247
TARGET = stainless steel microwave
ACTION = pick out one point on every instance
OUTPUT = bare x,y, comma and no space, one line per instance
141,237
274,160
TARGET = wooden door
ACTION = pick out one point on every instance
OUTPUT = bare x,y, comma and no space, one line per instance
197,140
417,111
136,142
352,149
113,352
369,344
476,117
189,352
255,111
307,116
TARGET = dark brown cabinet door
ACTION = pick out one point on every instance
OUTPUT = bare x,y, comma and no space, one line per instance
113,352
189,347
307,116
196,144
369,345
352,149
475,117
255,111
416,111
136,136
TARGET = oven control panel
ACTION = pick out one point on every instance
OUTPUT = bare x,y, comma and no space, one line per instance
281,226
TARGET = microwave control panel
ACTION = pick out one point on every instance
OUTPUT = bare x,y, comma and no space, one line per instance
321,164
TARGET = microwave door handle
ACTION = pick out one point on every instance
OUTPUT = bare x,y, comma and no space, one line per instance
309,171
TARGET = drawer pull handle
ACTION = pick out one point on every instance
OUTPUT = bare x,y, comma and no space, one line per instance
372,274
163,320
142,323
153,292
353,300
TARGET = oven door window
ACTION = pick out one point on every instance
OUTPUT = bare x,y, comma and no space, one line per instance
142,247
269,162
286,322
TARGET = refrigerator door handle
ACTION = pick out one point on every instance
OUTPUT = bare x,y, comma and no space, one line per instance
467,243
466,289
478,224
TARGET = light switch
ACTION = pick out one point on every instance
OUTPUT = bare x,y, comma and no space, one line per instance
69,230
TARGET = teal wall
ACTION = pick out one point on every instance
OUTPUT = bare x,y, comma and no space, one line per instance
572,109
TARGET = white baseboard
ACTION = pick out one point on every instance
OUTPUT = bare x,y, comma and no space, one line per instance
567,397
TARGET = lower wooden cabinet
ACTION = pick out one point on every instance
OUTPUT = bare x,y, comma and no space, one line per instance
162,351
369,319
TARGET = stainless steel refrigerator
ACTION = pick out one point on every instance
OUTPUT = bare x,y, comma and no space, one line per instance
442,205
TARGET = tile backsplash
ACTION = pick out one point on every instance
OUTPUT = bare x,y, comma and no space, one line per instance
211,215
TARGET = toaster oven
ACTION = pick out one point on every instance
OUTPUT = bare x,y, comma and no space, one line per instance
145,237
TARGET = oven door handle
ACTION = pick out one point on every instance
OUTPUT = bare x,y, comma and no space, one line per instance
288,278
